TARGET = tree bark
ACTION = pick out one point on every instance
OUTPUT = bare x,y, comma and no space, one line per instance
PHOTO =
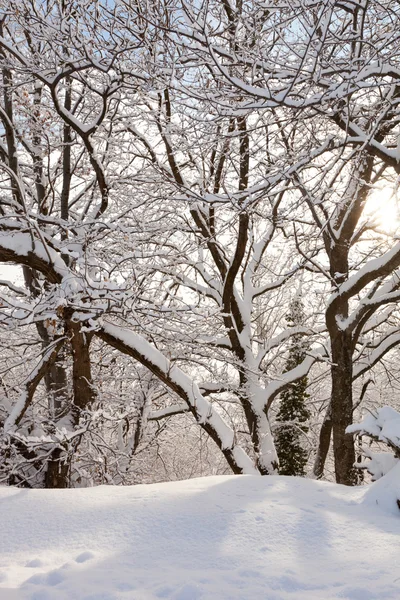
59,467
342,407
57,473
83,390
324,443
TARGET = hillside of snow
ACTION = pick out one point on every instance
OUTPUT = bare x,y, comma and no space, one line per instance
216,538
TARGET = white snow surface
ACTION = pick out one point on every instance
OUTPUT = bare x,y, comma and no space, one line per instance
214,538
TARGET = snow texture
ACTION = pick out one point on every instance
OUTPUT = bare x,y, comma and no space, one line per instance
378,463
217,538
385,425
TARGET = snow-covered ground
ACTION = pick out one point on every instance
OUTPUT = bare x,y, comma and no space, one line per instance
217,538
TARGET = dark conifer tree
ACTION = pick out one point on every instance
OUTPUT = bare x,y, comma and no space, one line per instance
293,414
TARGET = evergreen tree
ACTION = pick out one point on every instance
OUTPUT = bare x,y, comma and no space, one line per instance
293,415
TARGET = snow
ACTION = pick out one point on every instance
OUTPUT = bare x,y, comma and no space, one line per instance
17,409
368,272
377,464
386,491
21,244
384,425
216,538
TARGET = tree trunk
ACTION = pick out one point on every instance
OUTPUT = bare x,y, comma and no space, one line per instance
57,473
259,428
324,443
84,394
56,377
342,407
58,470
56,382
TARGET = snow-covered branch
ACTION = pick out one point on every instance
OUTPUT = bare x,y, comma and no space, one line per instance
176,380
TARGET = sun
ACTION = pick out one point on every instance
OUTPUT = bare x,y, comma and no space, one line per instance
383,208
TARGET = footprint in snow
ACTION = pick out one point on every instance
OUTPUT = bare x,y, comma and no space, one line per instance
35,563
188,592
52,578
36,579
84,557
249,573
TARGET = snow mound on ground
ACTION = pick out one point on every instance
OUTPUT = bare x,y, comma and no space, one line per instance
217,538
377,463
385,492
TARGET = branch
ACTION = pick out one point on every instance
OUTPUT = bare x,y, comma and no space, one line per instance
140,349
169,411
31,384
20,248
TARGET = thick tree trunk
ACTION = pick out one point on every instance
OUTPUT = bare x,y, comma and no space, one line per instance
56,382
58,470
57,386
57,473
82,385
262,439
342,407
56,377
341,370
339,237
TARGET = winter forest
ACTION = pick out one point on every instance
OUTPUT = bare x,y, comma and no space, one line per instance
199,251
199,299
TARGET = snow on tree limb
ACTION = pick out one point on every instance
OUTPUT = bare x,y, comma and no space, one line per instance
376,267
139,348
278,385
366,363
383,425
22,248
31,384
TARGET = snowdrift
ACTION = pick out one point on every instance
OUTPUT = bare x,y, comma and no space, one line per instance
217,538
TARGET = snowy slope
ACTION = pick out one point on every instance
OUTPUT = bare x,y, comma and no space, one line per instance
218,538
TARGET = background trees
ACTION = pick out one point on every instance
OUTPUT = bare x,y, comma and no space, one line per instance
329,64
293,413
169,173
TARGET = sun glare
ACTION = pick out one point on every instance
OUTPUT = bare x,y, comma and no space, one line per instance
383,209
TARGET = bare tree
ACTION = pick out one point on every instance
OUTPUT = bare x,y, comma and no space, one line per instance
168,173
337,66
